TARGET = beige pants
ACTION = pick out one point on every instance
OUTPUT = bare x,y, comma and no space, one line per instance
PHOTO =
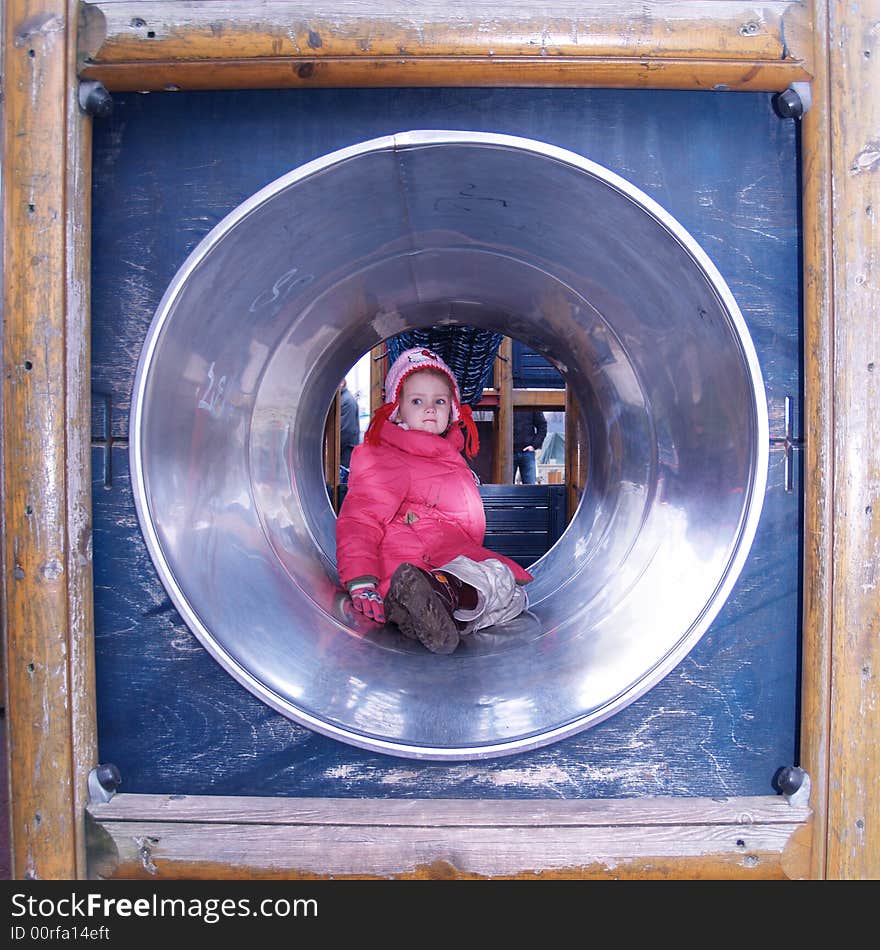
499,597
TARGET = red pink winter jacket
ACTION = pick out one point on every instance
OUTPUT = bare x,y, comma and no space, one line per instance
411,498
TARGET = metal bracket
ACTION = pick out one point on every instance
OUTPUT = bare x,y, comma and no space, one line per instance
103,782
789,443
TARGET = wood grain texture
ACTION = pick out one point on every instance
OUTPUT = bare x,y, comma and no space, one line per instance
818,458
213,45
5,850
154,837
502,460
549,400
46,543
378,371
854,763
78,447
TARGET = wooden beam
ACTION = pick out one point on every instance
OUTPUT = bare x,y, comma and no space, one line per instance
378,372
158,837
221,44
854,752
547,400
46,551
78,462
818,423
502,460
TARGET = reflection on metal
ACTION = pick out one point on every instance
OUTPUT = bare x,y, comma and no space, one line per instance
281,299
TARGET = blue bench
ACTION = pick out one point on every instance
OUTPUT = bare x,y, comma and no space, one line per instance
524,521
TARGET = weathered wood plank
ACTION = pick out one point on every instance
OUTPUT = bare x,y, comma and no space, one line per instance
671,838
5,856
854,764
446,812
255,851
378,371
597,74
78,448
240,44
46,544
549,400
222,29
502,461
819,424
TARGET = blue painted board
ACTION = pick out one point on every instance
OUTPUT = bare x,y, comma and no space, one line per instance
168,167
531,370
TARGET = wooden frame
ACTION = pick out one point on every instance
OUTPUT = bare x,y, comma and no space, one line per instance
140,835
47,580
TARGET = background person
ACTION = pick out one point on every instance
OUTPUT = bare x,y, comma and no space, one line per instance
349,429
529,432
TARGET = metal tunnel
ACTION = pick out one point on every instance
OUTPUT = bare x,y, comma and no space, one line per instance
282,297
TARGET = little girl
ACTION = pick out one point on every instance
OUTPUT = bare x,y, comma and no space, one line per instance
410,532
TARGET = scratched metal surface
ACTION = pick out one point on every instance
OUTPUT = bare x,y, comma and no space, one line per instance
168,167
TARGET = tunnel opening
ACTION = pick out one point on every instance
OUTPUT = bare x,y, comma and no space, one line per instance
524,520
512,391
276,304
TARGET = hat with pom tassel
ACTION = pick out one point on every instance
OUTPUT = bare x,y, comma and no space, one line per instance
414,361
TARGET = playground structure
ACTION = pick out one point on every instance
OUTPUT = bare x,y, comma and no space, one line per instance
793,49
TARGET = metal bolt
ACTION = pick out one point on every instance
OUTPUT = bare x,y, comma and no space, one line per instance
794,784
793,102
790,780
95,100
104,780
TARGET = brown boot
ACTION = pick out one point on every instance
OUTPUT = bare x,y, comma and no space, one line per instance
421,603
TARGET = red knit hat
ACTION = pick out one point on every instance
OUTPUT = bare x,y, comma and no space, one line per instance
412,361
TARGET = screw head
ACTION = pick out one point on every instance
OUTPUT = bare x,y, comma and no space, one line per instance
788,105
109,776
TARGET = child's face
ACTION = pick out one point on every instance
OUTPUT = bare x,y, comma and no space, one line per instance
426,403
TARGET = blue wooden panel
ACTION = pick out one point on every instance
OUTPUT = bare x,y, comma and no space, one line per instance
523,521
531,370
168,167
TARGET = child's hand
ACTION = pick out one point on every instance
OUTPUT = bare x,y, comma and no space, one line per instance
367,599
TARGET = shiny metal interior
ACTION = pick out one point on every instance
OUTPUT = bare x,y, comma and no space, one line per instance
281,299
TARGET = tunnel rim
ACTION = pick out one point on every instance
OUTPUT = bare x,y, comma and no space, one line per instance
741,543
